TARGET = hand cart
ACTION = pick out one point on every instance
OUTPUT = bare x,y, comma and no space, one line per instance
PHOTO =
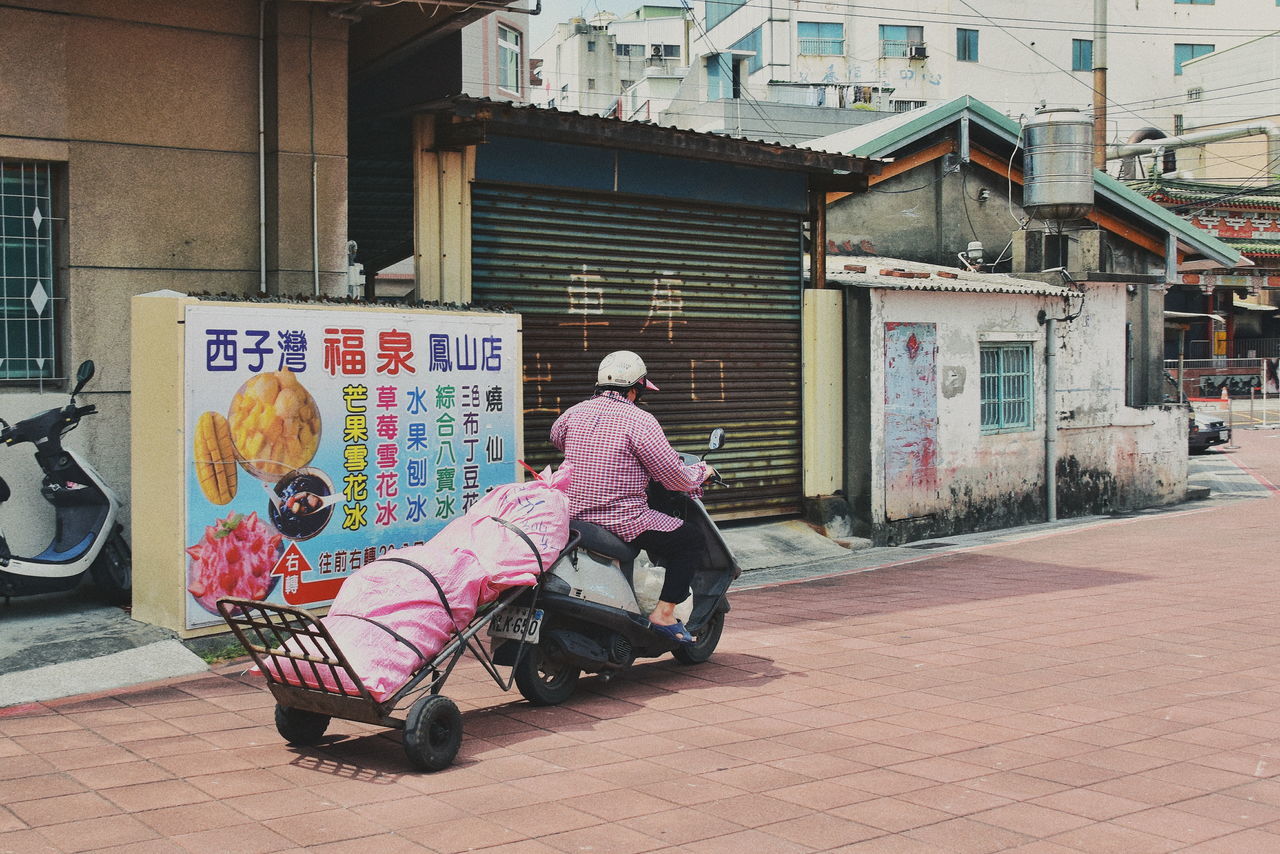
286,641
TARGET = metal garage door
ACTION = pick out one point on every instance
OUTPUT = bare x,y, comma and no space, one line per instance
709,297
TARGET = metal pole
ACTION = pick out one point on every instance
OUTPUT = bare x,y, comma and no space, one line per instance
1100,84
1051,420
1231,425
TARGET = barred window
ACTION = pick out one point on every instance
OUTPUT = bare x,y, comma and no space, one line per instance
28,333
1006,387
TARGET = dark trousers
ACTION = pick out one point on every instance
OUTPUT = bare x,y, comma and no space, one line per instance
680,552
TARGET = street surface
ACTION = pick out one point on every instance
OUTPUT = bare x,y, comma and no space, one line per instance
1111,687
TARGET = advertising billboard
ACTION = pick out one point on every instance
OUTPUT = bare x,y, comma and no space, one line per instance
318,439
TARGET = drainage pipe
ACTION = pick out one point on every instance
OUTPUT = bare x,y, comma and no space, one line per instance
1051,419
262,149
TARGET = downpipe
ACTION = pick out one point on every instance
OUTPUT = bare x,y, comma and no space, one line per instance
1051,419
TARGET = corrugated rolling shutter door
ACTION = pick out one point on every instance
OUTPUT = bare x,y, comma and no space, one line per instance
709,297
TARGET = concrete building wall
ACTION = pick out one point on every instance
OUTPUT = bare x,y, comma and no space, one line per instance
955,477
926,215
1020,63
482,55
148,114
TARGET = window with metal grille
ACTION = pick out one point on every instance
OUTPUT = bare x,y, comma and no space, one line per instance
821,38
28,332
1006,387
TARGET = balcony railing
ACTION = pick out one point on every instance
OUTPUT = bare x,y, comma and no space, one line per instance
893,48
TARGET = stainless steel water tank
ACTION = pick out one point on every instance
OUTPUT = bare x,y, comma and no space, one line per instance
1058,182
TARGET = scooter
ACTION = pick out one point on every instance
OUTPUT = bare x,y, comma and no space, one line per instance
86,536
585,614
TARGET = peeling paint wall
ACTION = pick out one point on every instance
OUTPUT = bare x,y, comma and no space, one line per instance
925,468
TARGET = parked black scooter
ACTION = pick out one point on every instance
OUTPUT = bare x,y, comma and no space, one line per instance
86,537
585,616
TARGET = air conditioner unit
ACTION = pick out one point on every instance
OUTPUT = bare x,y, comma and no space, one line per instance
918,51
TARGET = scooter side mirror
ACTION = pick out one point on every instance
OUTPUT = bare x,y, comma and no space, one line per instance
717,439
83,375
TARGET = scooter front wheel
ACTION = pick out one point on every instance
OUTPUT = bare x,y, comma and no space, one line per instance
543,681
112,569
704,642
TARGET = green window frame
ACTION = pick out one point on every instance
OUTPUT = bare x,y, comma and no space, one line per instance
752,41
966,45
1187,52
718,10
1082,54
1007,387
28,333
820,38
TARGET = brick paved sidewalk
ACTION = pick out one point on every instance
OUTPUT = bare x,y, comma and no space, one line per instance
1112,689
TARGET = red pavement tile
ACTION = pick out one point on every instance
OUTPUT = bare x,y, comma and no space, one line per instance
38,786
965,836
90,757
190,818
63,808
99,777
1114,839
251,838
95,834
319,826
1178,825
891,815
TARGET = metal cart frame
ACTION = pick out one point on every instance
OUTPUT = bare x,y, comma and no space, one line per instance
433,725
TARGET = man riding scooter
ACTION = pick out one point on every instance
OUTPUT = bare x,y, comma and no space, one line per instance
615,449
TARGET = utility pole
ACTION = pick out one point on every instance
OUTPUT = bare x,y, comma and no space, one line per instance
1100,84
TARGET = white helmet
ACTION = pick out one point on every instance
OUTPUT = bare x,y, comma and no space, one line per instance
623,369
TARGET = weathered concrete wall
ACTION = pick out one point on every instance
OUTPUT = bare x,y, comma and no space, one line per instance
149,112
923,215
942,474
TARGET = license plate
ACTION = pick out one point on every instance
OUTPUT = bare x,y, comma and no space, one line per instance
517,624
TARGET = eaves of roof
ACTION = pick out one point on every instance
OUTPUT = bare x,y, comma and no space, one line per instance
874,271
1255,248
885,138
471,118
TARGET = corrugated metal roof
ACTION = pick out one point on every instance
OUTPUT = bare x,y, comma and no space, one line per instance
901,275
593,129
888,136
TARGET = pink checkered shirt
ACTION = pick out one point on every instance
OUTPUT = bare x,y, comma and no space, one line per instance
615,448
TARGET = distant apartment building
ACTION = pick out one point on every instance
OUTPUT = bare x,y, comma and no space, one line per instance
590,66
1232,88
855,58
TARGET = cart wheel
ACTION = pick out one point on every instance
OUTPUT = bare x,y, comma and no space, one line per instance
433,733
543,682
704,642
298,726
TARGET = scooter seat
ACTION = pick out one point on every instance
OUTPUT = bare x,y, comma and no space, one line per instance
603,541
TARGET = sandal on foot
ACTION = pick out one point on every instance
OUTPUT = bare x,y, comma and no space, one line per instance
676,632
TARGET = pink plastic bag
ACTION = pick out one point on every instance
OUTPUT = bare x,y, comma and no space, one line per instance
473,560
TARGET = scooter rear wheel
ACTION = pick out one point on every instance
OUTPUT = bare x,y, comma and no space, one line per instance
543,681
704,642
112,569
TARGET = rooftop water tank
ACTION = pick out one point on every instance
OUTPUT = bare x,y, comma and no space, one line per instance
1058,184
